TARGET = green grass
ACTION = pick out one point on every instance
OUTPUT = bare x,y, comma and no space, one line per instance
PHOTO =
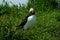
47,26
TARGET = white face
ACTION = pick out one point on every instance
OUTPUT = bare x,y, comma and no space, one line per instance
31,9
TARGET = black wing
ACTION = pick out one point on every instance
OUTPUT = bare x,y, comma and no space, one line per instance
22,23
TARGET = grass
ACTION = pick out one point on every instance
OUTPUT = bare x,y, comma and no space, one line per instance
47,26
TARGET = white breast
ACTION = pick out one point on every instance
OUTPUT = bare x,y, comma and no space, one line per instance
30,21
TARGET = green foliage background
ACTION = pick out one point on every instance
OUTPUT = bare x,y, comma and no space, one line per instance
47,26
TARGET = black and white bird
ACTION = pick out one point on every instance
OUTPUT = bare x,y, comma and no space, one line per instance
28,21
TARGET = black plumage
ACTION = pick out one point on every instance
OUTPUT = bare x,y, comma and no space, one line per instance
24,21
20,26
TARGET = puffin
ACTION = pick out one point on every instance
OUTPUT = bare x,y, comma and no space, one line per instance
29,20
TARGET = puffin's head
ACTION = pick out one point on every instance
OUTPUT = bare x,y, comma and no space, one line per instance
32,11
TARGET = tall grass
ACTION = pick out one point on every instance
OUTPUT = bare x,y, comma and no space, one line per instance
47,26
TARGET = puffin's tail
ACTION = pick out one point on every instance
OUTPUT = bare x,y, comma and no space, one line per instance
19,27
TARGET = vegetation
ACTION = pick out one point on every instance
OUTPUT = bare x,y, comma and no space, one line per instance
47,26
